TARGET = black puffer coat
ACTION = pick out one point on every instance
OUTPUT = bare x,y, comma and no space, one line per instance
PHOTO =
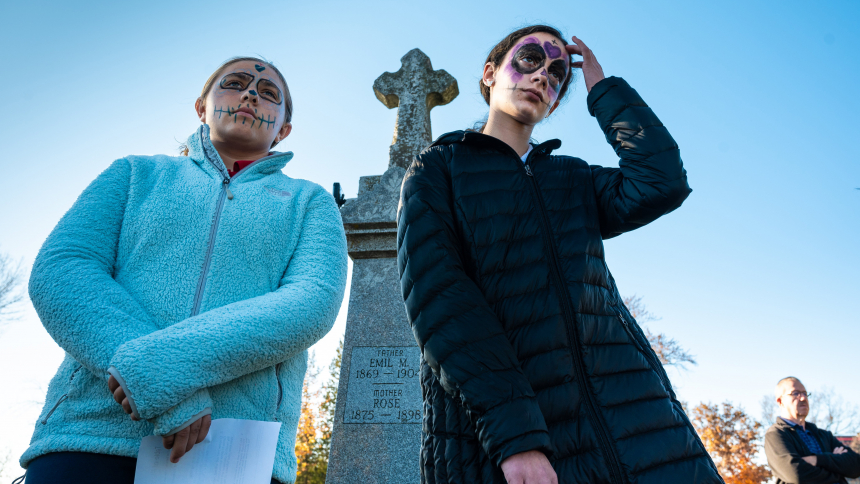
526,343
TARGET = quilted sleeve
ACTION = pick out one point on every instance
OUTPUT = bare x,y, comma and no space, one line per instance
170,365
650,180
460,337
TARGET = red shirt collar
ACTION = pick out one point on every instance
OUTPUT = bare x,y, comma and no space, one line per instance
238,166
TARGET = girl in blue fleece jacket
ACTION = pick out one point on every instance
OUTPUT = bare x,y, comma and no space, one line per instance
185,289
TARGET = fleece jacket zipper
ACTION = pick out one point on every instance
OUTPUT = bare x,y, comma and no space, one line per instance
213,230
62,398
570,319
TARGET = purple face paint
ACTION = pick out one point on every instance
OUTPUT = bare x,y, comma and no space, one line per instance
529,56
517,74
551,50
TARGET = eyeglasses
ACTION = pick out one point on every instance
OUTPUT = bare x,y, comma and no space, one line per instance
796,394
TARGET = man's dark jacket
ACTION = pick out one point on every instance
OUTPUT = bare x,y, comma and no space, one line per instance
785,451
526,343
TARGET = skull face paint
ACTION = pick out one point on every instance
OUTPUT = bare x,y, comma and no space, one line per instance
241,80
529,56
257,116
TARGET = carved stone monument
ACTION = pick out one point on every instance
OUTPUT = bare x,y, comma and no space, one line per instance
377,424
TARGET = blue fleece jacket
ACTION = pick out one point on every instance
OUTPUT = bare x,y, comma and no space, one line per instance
203,292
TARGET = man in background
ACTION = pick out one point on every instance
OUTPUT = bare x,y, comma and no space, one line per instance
798,452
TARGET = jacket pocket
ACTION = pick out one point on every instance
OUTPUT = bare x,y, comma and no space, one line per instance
649,355
280,389
63,397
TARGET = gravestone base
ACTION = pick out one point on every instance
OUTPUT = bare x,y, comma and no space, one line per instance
378,341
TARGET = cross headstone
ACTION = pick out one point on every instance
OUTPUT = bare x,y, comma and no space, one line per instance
377,424
415,89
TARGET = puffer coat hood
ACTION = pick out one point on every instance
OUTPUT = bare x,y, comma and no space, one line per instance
203,291
526,343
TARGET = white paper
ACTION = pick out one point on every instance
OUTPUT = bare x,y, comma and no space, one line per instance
234,452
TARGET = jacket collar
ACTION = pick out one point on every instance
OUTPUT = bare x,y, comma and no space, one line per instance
475,138
201,151
783,424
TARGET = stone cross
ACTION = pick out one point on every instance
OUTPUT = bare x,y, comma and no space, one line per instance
376,437
416,89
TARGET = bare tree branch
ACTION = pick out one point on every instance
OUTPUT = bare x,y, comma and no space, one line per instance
769,410
11,282
829,411
670,352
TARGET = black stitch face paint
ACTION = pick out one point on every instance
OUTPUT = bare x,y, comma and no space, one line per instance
258,95
259,120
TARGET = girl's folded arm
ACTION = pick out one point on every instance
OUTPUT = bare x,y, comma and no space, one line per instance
78,301
167,366
72,287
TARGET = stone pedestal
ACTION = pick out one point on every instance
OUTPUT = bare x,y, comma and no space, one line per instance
377,422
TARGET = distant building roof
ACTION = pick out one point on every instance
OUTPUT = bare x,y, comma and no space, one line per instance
845,440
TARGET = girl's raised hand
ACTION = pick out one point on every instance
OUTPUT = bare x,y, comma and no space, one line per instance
591,70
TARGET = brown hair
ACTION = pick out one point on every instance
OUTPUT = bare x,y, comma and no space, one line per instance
497,55
288,100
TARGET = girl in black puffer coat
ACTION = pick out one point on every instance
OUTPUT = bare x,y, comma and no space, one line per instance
532,370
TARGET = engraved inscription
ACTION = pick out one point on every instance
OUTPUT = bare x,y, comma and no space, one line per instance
383,385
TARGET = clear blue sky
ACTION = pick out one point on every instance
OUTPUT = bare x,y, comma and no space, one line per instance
757,273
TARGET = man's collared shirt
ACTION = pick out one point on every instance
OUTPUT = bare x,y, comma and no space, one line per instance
808,439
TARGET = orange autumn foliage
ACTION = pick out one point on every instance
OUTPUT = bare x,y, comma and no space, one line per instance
306,437
313,436
731,438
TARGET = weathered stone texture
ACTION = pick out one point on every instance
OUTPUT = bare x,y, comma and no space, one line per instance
415,89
